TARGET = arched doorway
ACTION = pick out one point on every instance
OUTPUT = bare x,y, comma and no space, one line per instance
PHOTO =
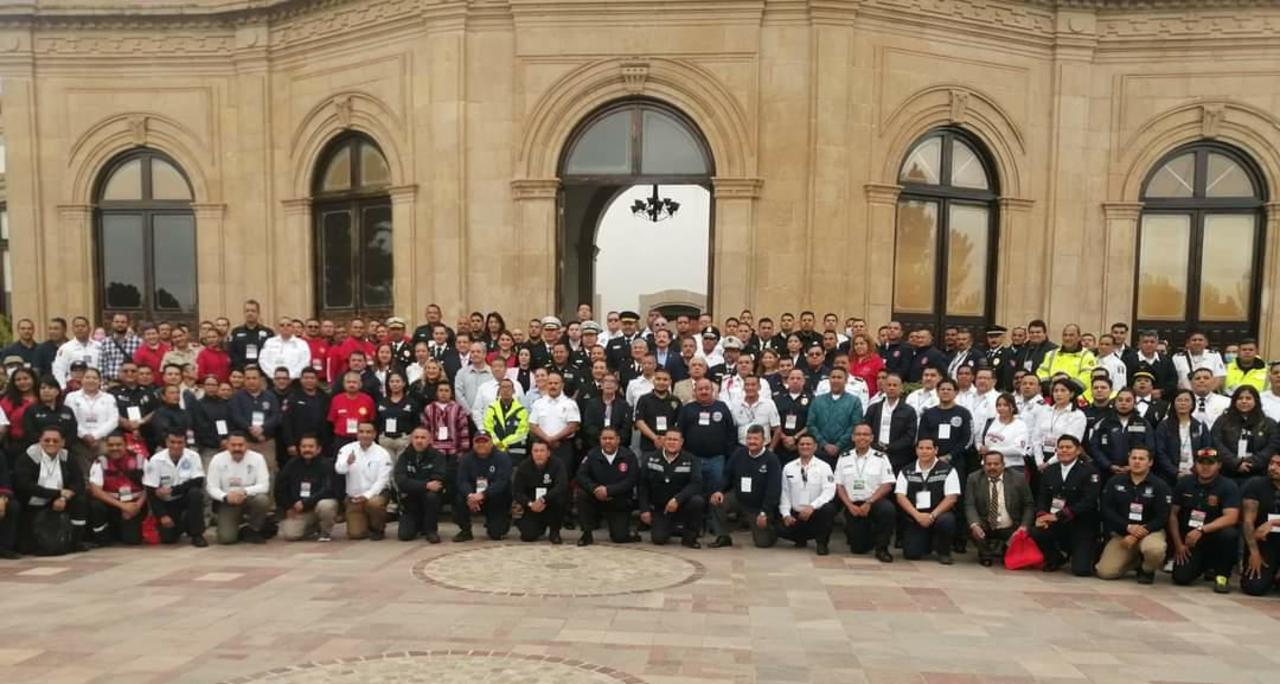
145,239
352,210
1199,255
635,208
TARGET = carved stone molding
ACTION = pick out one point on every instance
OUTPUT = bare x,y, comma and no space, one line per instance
1122,211
1018,205
882,193
959,105
138,130
344,110
736,188
1211,118
634,76
535,188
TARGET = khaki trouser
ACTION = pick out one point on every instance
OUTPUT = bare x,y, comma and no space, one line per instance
1117,561
367,515
268,450
296,526
254,508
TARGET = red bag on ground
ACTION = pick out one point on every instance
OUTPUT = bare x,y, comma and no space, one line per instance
1022,552
150,530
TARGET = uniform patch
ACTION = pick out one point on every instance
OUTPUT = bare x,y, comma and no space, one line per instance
622,466
956,421
1213,500
717,416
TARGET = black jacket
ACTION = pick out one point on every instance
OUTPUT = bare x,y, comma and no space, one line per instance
593,420
318,472
305,414
765,474
662,480
649,408
1120,498
529,477
1169,446
1110,442
208,412
170,419
902,432
1166,375
40,416
1227,432
619,479
26,478
415,469
1079,492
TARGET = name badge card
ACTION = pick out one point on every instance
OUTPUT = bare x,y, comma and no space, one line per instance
482,484
133,413
304,490
924,500
1197,520
660,423
258,419
351,426
1135,512
391,425
442,433
704,418
944,431
221,427
539,492
744,485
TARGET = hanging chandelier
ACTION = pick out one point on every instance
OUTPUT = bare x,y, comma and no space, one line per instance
655,208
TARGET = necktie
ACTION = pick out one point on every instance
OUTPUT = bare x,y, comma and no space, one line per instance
993,506
1202,404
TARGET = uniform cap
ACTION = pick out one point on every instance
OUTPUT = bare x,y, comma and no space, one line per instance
550,322
14,360
996,330
394,321
591,327
732,342
710,333
628,316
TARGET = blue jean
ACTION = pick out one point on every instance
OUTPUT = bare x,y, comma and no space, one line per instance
712,481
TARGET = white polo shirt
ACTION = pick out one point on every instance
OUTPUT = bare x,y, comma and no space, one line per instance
553,414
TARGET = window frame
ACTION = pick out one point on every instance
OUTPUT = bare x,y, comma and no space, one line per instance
1198,207
944,196
147,210
635,175
355,201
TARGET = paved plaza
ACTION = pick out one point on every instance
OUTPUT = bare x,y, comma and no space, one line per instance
486,612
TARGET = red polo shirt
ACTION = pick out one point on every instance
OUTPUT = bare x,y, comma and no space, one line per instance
344,408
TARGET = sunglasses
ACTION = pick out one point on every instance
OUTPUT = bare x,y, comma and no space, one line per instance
1206,461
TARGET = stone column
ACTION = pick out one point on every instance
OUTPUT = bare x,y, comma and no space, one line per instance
211,260
1018,296
405,287
876,261
535,261
69,281
297,224
733,247
1269,307
1119,262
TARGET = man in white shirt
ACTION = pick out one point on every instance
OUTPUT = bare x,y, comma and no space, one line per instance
79,348
753,409
1271,396
96,417
487,391
864,485
174,479
1108,357
927,490
238,482
1208,404
1195,357
367,467
808,490
643,383
285,350
555,419
982,403
926,397
469,378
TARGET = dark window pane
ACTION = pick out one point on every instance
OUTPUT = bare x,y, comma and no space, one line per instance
174,256
915,263
669,147
373,166
605,148
1175,179
335,252
123,261
125,183
338,175
376,256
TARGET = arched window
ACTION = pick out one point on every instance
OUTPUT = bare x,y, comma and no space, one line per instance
944,250
353,229
145,239
1199,246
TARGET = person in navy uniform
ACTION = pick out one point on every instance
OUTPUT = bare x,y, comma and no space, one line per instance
924,355
792,403
1135,510
606,482
671,492
1117,432
752,490
540,487
618,351
1203,524
1000,358
1067,510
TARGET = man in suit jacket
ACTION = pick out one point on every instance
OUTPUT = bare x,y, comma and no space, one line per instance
894,434
1014,508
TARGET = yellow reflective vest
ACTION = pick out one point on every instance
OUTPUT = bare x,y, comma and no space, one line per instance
1255,374
1076,364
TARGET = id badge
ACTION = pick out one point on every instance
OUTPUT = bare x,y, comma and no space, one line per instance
258,419
126,494
1197,520
606,421
859,485
191,437
391,425
1274,519
304,490
442,433
352,426
660,423
744,485
133,413
704,418
166,480
944,431
234,482
539,492
317,364
1242,448
790,423
482,484
1135,512
1056,506
251,352
924,500
221,427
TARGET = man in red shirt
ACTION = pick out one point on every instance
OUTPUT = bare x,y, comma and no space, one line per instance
339,355
152,351
319,346
348,409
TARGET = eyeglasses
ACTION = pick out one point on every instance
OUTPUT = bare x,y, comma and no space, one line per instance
814,353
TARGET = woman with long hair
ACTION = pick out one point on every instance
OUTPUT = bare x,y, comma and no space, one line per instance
1243,435
494,327
48,411
505,348
864,362
398,414
1179,437
1062,417
1005,434
19,395
424,388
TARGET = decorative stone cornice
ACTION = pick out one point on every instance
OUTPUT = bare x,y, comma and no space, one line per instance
535,188
1019,205
1122,211
736,188
882,193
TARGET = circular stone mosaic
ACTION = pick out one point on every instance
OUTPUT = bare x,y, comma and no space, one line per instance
445,667
544,570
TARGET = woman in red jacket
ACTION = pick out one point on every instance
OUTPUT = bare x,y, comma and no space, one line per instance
864,362
18,397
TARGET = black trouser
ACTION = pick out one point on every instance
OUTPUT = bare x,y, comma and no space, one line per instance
918,541
1077,537
9,524
616,512
496,510
1215,552
77,513
419,514
109,526
872,530
532,525
817,527
187,513
762,537
1266,581
688,516
992,546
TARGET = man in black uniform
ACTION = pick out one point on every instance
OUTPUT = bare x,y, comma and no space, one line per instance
753,489
247,340
562,363
540,488
1135,510
305,411
607,479
1147,357
927,491
792,402
1031,355
618,351
1261,529
1000,358
420,476
1067,510
484,487
541,350
1145,402
656,411
1202,524
671,492
924,355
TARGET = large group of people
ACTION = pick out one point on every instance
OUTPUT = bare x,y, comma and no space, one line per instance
1112,459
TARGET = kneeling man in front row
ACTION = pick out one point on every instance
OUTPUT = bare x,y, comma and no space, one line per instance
927,490
999,503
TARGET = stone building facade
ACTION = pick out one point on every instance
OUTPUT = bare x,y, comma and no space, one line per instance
1079,114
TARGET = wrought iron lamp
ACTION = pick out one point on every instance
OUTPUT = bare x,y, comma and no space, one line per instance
655,208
